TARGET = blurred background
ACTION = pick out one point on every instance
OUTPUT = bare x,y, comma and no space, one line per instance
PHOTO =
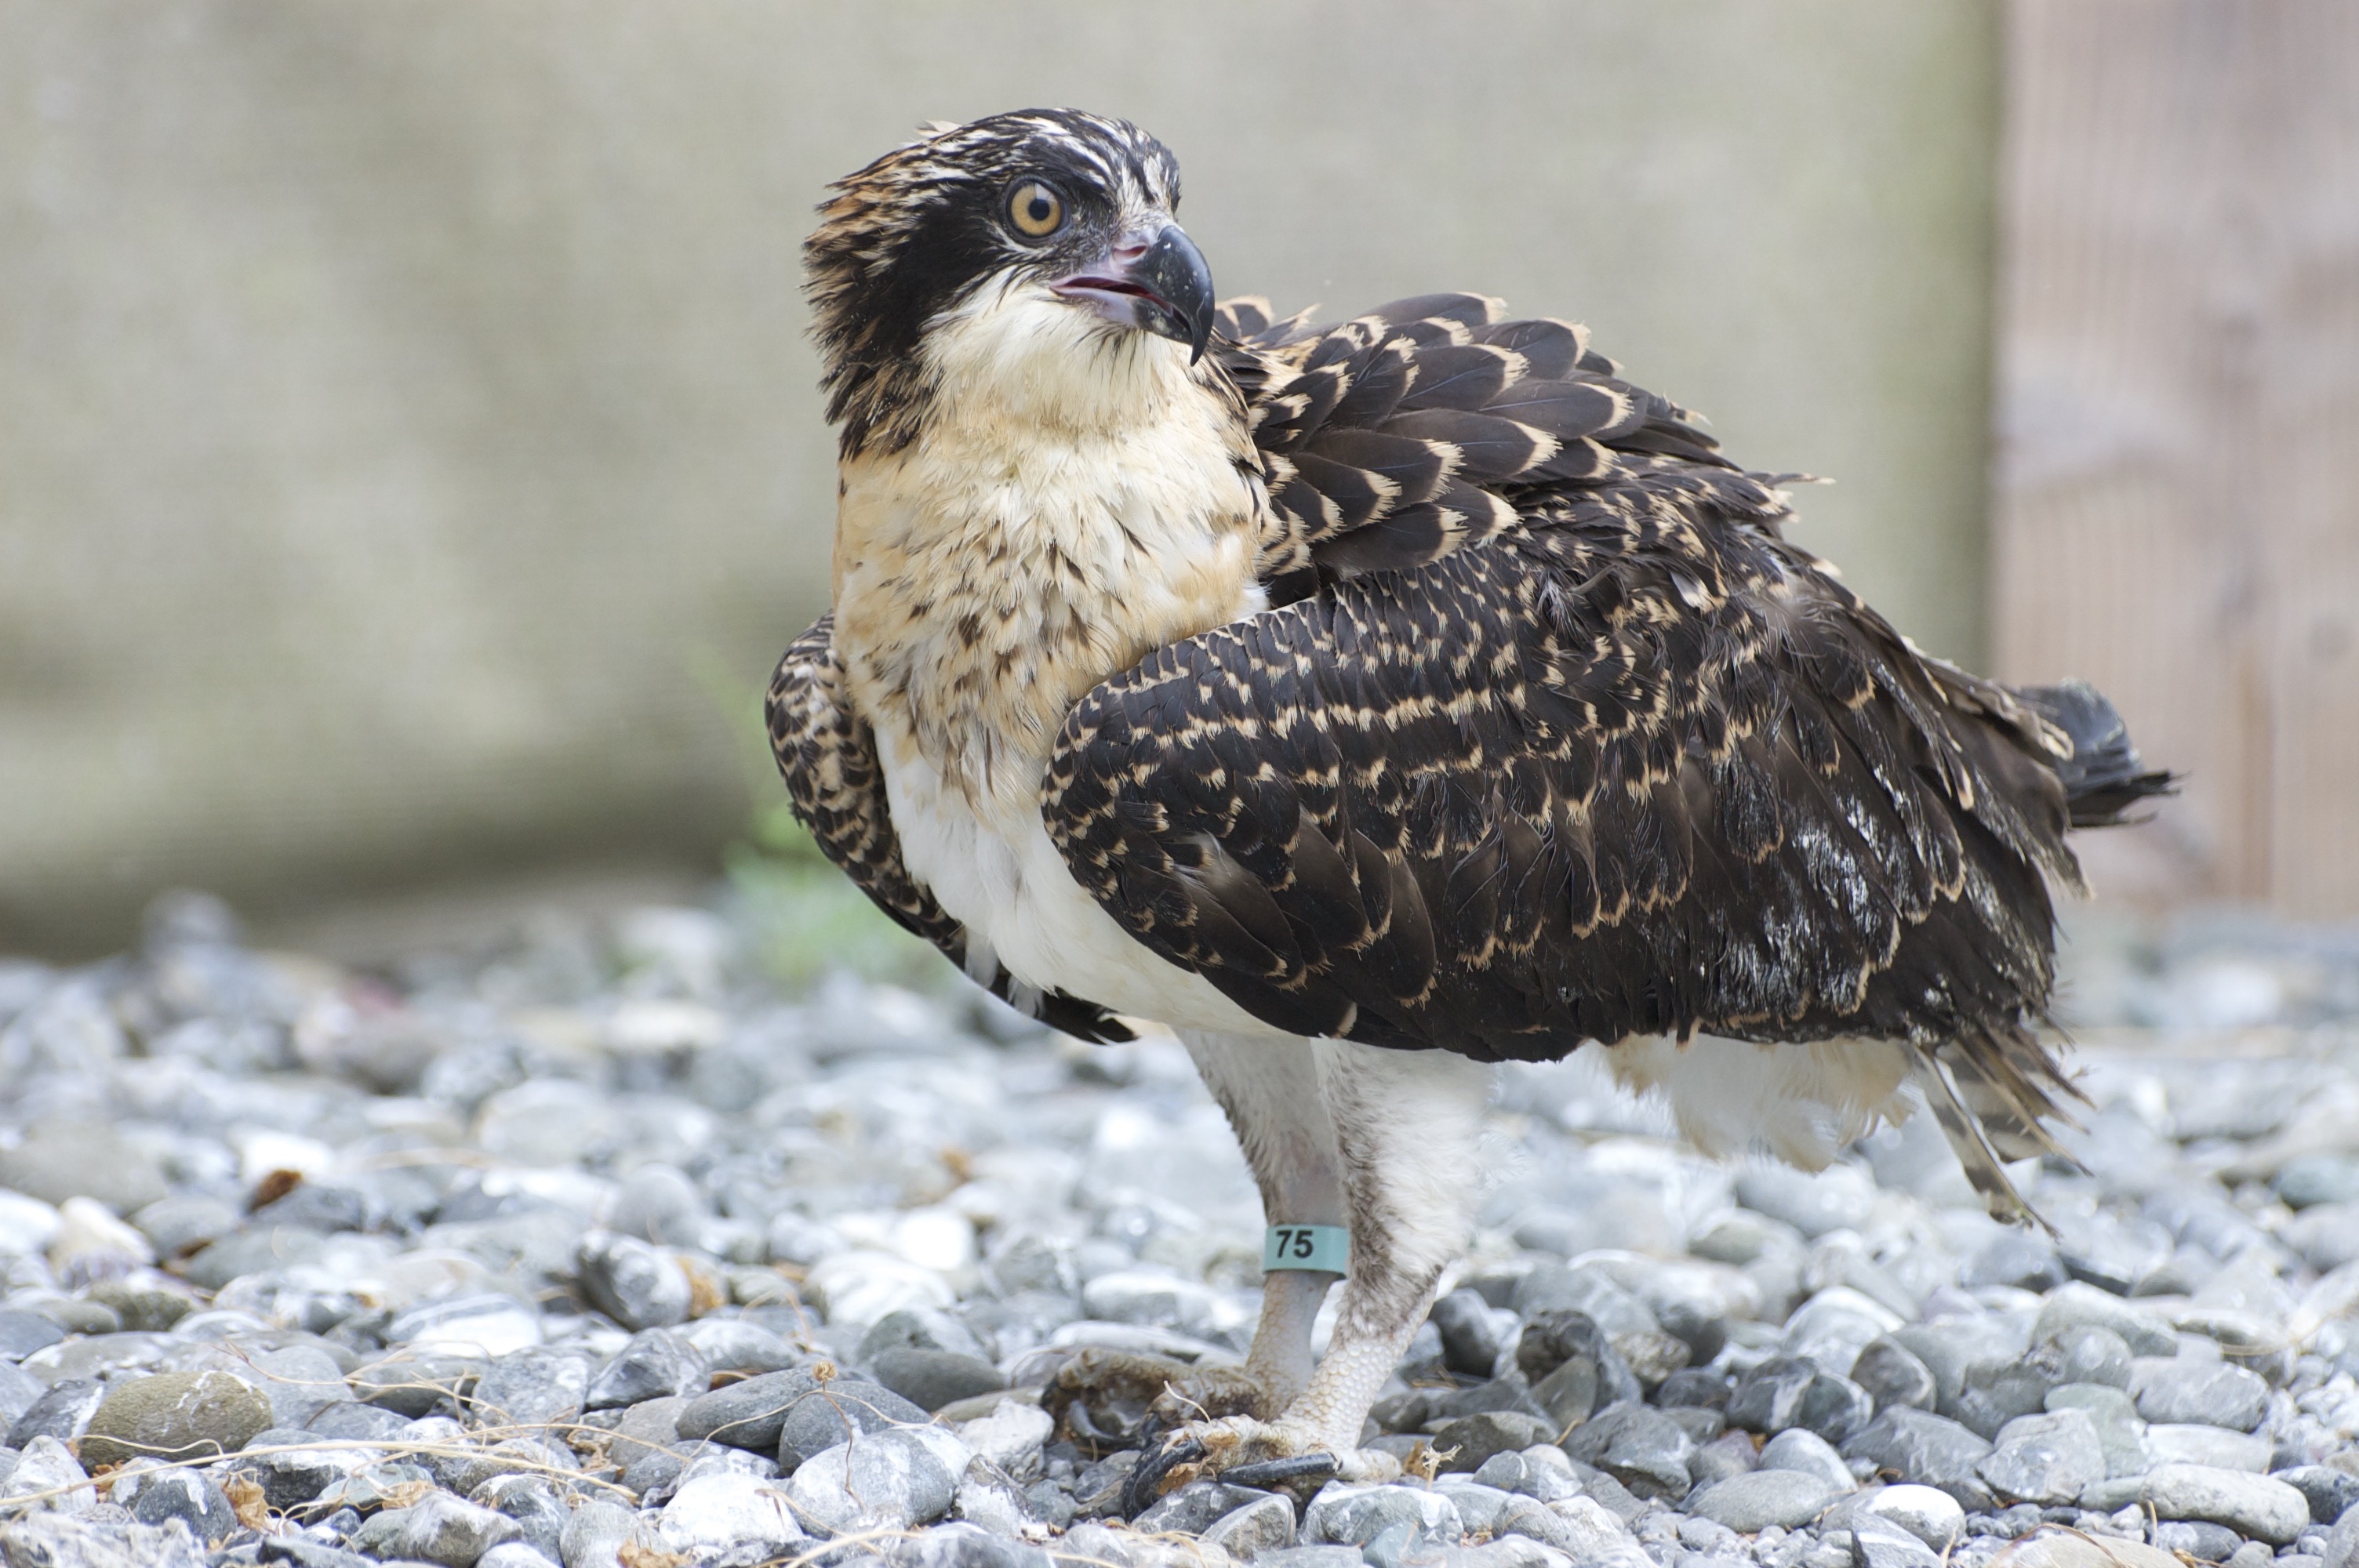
410,465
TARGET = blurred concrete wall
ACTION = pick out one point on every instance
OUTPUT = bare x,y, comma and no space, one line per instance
405,427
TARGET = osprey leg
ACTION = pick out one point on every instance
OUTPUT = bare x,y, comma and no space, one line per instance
1406,1126
1270,1089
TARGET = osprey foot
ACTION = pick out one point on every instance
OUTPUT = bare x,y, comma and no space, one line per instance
1278,1455
1108,1399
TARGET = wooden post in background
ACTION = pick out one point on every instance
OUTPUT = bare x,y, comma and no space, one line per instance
2178,484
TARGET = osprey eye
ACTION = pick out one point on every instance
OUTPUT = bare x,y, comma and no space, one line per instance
1035,211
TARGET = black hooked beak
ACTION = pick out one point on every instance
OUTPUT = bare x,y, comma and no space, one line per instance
1161,285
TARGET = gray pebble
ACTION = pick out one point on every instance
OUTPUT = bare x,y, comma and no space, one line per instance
1192,1508
1920,1446
2217,1394
62,1413
655,1364
2080,1304
1481,1437
2203,1542
1643,1448
836,1412
22,1332
2044,1458
729,1520
1254,1531
635,1282
350,1420
534,1502
189,1496
887,1480
1894,1375
1354,1515
1763,1497
932,1379
1798,1448
2120,1434
438,1529
747,1414
2251,1505
2330,1491
531,1387
596,1533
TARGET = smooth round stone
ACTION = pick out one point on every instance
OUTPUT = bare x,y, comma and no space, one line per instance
2308,1180
22,1332
1754,1502
1355,1516
2076,1304
932,1379
636,1283
298,1381
1920,1446
920,1329
1010,1436
598,1532
1930,1515
351,1421
1262,1525
1805,1451
18,1390
748,1414
253,1250
2025,1259
174,1416
729,1522
2086,1353
658,1203
733,1344
2250,1504
2213,1394
516,1554
887,1480
1486,1435
1471,1341
2197,1539
415,1385
2047,1459
1894,1375
835,1414
57,1161
2182,1443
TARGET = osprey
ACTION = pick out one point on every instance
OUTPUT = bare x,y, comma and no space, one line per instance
1369,703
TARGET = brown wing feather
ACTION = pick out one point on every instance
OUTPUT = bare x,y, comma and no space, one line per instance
1406,433
1633,764
828,757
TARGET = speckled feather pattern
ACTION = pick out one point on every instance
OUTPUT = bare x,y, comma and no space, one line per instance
1550,737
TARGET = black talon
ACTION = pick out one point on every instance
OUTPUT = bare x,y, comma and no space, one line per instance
1145,1487
1273,1473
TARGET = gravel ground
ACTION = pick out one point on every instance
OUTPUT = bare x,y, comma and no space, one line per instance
592,1251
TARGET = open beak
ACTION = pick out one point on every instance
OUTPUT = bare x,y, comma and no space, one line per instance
1157,283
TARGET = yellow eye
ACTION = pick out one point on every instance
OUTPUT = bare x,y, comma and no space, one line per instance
1035,211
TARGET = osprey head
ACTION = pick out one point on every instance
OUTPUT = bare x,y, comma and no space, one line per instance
1007,246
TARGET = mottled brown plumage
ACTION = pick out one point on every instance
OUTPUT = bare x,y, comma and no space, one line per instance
1369,700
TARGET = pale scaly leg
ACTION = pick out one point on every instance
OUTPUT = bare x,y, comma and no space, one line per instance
1269,1088
1407,1127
